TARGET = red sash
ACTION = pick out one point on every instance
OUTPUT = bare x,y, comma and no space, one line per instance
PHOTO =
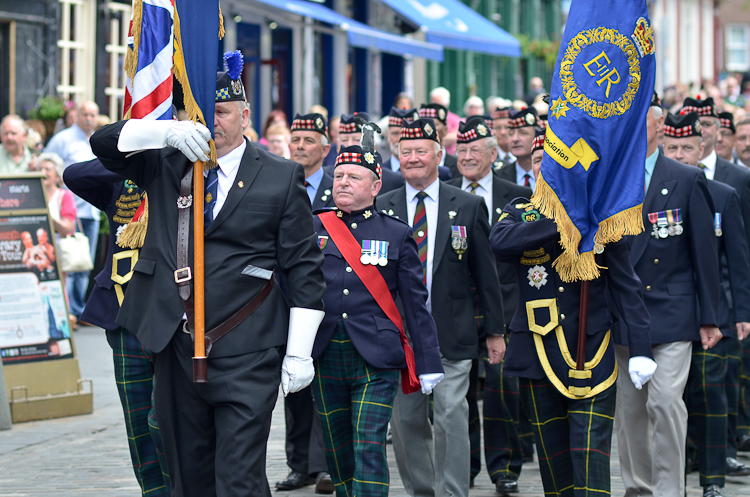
377,287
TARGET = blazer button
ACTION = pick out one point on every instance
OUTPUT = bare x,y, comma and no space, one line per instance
348,269
561,289
648,288
656,261
345,315
562,317
354,226
346,291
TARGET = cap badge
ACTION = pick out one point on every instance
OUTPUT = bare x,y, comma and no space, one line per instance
428,129
236,88
319,123
482,129
369,158
530,120
441,114
698,126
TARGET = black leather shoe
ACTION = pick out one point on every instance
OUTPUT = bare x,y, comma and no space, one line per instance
713,491
506,485
294,481
736,468
324,483
471,481
743,443
692,465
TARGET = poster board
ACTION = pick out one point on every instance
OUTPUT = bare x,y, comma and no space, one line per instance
36,344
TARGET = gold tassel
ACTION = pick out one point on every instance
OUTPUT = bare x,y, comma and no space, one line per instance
131,58
191,106
134,234
221,23
572,266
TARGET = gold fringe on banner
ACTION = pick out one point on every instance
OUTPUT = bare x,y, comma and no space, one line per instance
221,23
134,233
572,266
191,106
131,58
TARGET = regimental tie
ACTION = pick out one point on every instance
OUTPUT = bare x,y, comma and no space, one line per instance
212,186
474,185
419,229
526,180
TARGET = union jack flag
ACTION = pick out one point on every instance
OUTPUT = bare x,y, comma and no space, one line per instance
148,91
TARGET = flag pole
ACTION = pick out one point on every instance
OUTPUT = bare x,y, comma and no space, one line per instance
583,317
200,373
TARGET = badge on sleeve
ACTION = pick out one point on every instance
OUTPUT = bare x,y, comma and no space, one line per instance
322,241
537,277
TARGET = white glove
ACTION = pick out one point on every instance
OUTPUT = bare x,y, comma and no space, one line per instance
296,373
428,381
641,370
146,134
297,369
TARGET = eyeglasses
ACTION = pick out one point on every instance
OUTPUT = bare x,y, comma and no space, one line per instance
476,152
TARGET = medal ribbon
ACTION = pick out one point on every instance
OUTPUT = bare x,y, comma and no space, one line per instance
677,216
662,220
717,221
652,216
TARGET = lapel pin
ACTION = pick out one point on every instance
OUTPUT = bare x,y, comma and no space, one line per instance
664,191
241,184
499,210
451,214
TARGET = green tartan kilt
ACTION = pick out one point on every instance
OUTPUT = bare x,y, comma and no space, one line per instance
355,401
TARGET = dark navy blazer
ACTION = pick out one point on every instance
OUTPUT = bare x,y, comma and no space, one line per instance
534,246
680,274
734,298
347,300
104,190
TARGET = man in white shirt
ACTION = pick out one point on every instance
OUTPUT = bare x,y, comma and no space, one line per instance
500,119
14,154
522,126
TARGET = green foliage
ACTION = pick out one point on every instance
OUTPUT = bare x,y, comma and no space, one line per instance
48,109
540,48
103,224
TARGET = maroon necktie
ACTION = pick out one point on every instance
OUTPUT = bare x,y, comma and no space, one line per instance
526,179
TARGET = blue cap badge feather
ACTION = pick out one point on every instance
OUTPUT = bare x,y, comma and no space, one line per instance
235,63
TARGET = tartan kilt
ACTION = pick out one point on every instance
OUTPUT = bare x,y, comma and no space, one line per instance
706,399
573,438
355,402
134,379
734,367
743,411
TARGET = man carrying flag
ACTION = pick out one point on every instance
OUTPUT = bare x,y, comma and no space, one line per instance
257,216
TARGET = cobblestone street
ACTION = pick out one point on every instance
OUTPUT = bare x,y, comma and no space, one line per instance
88,455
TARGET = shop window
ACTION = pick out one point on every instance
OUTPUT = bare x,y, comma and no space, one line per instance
738,47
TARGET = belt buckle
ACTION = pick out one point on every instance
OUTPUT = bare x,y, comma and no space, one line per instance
183,275
185,327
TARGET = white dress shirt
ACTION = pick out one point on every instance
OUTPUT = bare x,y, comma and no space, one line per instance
395,164
431,211
484,190
504,156
520,180
228,166
710,162
442,158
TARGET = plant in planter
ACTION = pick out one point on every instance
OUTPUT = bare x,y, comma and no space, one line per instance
48,110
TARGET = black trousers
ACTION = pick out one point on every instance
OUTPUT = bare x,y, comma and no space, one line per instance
215,433
304,435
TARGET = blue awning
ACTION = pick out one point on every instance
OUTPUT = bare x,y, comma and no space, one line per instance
359,34
454,25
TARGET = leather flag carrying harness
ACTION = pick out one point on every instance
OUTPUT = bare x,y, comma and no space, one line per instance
376,285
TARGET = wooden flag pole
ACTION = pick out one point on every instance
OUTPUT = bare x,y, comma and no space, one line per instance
200,373
583,317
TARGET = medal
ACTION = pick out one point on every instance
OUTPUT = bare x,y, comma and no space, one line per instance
383,254
652,217
662,223
670,220
459,242
717,224
678,229
365,259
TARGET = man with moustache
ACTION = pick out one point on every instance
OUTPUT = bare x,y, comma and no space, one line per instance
522,126
308,145
706,391
477,151
451,230
350,134
358,351
439,114
742,142
500,119
257,217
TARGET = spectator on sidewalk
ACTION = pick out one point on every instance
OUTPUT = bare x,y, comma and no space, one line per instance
14,154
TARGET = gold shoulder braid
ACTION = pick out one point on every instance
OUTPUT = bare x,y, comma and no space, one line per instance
134,233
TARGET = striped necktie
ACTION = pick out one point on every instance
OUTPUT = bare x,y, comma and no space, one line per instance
526,180
212,187
419,230
474,185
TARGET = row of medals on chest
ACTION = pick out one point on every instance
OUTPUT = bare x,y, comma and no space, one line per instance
375,252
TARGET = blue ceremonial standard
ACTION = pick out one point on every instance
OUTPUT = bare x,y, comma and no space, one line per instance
592,174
